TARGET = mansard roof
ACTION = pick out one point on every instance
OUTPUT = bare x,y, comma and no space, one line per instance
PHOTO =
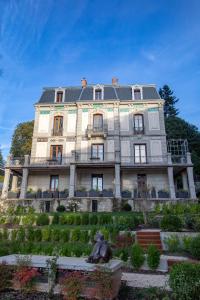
110,92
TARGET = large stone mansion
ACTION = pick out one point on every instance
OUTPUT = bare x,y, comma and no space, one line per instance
100,145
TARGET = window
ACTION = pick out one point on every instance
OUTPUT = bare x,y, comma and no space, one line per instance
97,151
54,183
94,206
59,97
137,94
98,94
97,182
56,153
140,154
58,126
98,122
138,124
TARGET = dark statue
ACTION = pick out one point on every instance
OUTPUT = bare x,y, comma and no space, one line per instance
101,252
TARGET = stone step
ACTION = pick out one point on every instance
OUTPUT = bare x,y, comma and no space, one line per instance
148,233
146,238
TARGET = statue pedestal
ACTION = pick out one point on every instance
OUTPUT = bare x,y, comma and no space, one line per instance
112,269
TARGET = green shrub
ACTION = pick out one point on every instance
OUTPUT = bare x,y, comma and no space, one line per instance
42,220
30,234
28,220
13,235
77,219
137,256
5,234
171,223
70,219
21,235
46,234
105,233
123,254
153,257
75,235
105,219
85,219
55,235
93,219
2,219
185,281
61,208
65,235
55,219
84,237
37,235
172,243
126,207
195,247
196,226
93,232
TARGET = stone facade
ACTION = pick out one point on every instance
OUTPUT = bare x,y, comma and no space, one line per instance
112,144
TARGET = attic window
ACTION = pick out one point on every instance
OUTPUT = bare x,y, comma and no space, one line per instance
137,94
98,94
59,97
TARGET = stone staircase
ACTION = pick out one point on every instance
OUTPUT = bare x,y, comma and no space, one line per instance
147,237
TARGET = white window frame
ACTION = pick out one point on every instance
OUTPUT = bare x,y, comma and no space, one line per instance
59,90
98,87
137,87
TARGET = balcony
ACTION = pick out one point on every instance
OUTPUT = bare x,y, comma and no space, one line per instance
138,130
99,131
57,132
93,158
49,161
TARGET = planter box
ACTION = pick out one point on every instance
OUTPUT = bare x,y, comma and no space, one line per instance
81,193
126,194
163,194
55,194
95,194
107,193
30,195
47,195
39,194
12,195
63,194
182,194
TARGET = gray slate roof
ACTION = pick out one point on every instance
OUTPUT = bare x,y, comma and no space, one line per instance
76,94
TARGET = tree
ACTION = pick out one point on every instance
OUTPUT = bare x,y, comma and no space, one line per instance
177,128
22,139
1,157
170,100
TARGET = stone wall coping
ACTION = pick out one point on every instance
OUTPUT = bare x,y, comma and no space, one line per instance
70,263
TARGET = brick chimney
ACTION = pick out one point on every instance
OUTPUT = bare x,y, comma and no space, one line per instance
114,81
83,82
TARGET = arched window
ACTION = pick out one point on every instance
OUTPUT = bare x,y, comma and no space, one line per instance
138,124
58,126
97,122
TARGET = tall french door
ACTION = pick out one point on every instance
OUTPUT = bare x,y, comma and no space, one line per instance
54,183
56,152
58,126
98,122
97,151
97,182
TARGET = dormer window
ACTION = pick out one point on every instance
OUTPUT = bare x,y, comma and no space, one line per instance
59,97
137,94
98,94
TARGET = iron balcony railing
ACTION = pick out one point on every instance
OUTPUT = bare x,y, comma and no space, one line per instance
90,157
97,130
57,132
138,130
50,161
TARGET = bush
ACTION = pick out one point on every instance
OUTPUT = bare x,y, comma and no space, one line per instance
30,234
105,233
46,234
77,219
171,223
153,257
85,219
196,226
84,237
185,281
55,219
65,235
13,235
195,247
28,220
37,235
61,208
137,256
21,235
187,243
75,235
93,219
5,234
42,220
126,207
55,235
172,243
5,276
105,219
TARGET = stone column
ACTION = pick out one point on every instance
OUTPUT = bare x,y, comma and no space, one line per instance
24,178
14,183
6,181
171,182
72,180
191,183
184,180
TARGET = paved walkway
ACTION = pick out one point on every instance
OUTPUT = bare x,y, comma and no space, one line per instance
146,280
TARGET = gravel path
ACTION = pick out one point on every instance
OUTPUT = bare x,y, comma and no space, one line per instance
146,280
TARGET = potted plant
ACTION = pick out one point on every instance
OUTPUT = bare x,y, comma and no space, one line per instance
64,194
126,194
153,192
108,193
55,194
94,193
30,194
182,194
47,194
39,193
81,192
163,194
12,195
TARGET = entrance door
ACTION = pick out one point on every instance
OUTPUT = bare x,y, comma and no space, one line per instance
142,185
47,206
94,206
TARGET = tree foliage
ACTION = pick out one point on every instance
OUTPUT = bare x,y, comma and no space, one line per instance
22,139
1,157
170,101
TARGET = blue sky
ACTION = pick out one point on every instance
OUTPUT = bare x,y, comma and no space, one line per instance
57,42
